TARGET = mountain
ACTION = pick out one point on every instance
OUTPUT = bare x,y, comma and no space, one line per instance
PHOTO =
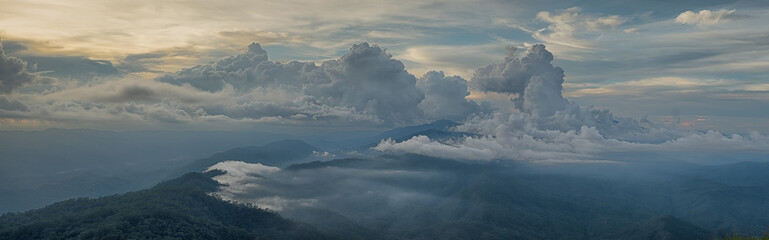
38,168
435,130
666,227
280,154
411,197
401,132
740,174
175,209
416,197
362,140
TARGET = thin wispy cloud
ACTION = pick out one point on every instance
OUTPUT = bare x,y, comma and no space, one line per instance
706,17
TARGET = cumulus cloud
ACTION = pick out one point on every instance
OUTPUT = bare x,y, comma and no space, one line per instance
445,97
238,70
13,72
536,83
548,128
706,17
535,87
364,87
365,81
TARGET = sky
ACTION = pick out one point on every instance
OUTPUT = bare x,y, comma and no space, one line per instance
191,65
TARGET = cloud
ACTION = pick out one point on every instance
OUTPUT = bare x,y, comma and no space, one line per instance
547,128
342,189
714,141
469,149
149,102
663,86
238,70
571,27
240,169
364,87
323,154
13,73
366,80
12,104
521,141
631,30
511,144
12,47
534,81
706,17
445,97
240,177
69,67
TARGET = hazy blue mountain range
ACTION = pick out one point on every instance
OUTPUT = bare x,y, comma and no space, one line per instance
92,163
373,195
418,197
280,153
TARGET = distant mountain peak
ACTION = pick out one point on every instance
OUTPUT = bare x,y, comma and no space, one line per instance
667,227
289,143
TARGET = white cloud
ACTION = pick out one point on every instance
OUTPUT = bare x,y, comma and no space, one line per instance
276,203
534,81
631,30
325,187
524,142
425,146
705,17
571,28
549,129
445,97
323,154
240,177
